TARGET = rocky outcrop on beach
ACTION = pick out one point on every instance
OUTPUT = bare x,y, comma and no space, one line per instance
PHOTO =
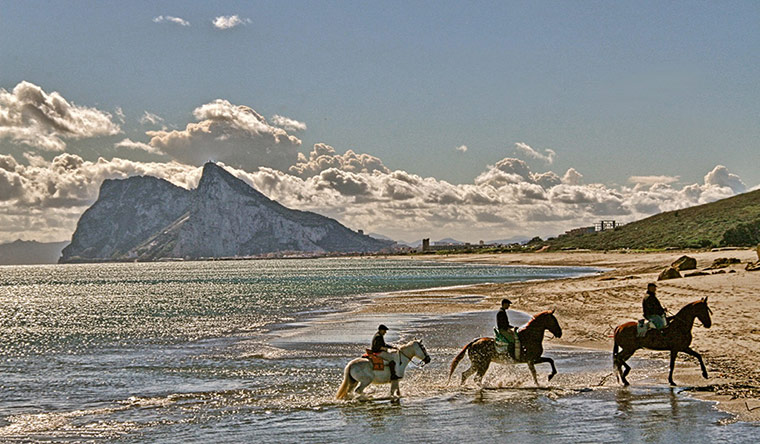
684,263
669,273
144,218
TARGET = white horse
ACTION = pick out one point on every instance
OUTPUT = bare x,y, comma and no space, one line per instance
359,371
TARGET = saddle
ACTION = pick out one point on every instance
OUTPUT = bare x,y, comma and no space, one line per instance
377,362
504,345
643,327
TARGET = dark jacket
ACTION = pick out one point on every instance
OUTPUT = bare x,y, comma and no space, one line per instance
652,306
502,320
378,342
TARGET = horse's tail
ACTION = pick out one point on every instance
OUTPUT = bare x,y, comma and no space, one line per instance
615,350
348,380
459,357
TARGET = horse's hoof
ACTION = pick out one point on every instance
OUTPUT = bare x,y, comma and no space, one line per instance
673,384
550,377
704,375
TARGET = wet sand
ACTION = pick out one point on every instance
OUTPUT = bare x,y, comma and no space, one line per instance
590,307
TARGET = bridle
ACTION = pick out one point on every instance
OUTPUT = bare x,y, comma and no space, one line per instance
422,362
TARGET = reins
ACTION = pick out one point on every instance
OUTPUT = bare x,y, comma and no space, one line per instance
410,358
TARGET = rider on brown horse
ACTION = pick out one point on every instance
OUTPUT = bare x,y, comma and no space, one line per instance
653,311
380,348
505,332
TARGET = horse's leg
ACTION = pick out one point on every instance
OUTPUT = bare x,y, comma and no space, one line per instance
691,352
532,368
673,355
482,369
467,373
351,387
362,386
620,364
395,388
551,362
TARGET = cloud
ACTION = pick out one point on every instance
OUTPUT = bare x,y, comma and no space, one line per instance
572,177
720,177
171,19
288,124
30,116
229,21
324,157
150,118
233,134
653,180
461,148
526,150
42,199
120,114
139,146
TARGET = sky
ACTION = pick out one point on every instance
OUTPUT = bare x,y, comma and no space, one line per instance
470,120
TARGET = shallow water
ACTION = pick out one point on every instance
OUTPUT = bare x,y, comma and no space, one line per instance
234,351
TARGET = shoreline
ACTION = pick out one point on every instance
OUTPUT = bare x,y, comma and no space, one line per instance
589,307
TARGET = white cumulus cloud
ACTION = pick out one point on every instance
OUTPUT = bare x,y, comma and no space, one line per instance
288,124
720,177
229,21
150,118
171,19
30,116
233,134
461,148
324,157
527,150
139,146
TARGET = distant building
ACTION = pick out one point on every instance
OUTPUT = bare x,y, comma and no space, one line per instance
580,231
426,244
604,225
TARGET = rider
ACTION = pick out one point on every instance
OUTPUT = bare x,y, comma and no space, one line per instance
380,348
505,330
653,310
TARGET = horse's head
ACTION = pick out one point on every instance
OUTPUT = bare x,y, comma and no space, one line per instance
703,312
420,352
547,321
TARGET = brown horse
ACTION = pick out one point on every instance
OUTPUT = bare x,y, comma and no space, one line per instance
483,350
676,337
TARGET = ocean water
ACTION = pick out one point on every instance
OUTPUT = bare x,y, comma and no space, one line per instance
235,351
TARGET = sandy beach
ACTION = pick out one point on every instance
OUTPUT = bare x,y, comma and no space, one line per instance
590,307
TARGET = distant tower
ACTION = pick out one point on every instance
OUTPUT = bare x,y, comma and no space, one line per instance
426,244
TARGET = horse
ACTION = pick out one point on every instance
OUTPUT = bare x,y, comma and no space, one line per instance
676,337
360,371
482,351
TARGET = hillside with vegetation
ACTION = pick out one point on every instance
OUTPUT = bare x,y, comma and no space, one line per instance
734,221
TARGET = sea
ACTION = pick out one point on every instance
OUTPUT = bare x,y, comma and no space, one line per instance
254,351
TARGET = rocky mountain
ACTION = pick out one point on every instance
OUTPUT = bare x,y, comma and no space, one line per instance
30,252
144,218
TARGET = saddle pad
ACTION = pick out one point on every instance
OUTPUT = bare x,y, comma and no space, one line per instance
377,361
642,327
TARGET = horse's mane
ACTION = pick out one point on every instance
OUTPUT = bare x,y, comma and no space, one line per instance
539,315
690,305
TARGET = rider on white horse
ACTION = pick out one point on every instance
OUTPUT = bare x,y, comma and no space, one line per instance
380,348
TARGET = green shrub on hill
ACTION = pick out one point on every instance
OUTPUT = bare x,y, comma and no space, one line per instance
728,222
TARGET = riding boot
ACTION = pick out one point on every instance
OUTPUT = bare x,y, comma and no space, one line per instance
392,367
517,347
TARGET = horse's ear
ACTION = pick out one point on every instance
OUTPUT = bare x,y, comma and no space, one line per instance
705,299
552,311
